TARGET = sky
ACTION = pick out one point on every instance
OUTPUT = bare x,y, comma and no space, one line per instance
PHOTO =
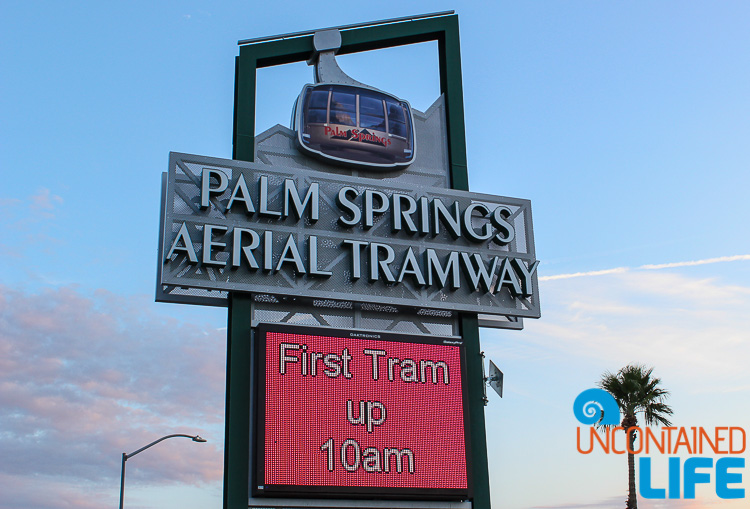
625,124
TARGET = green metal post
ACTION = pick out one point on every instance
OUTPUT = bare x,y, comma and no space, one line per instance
244,108
452,87
237,418
479,464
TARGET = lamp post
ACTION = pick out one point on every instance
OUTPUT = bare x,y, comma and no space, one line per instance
125,457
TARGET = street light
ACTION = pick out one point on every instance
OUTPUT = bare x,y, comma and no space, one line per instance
125,457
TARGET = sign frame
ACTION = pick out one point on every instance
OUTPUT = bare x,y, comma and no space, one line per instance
363,492
443,29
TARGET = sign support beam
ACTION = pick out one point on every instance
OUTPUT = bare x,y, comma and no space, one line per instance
237,416
444,30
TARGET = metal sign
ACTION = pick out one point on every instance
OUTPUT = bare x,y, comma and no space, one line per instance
357,215
495,380
361,414
231,225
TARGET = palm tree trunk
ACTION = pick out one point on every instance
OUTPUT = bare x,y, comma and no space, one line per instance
632,494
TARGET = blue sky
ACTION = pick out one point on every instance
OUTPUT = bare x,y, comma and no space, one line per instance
626,124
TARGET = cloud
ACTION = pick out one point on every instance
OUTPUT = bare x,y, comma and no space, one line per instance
8,203
613,502
675,321
84,378
609,503
49,492
618,502
40,205
619,270
34,217
44,202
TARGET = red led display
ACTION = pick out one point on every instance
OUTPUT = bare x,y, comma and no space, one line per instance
347,413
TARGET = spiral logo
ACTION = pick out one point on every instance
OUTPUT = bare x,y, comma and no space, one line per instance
596,406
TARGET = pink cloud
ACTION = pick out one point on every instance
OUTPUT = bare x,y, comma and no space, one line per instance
49,493
619,502
84,378
44,202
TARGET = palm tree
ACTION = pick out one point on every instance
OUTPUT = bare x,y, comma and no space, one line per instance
636,392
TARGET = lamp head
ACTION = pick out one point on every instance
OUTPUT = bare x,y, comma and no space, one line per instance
197,438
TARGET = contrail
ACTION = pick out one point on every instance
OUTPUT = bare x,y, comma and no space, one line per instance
696,262
647,267
583,274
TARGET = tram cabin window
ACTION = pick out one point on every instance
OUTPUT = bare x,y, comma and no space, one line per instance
343,108
396,119
371,112
317,111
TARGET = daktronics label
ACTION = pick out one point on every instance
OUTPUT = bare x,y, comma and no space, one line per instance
360,413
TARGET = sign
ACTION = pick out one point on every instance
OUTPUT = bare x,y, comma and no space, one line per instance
357,215
360,414
231,225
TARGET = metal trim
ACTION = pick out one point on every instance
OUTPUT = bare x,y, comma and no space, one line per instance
292,35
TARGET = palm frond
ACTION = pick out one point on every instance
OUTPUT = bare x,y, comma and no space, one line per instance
637,391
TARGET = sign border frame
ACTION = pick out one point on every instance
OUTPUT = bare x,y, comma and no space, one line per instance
354,492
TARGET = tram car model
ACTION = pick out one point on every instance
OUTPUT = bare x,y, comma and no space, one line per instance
354,125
